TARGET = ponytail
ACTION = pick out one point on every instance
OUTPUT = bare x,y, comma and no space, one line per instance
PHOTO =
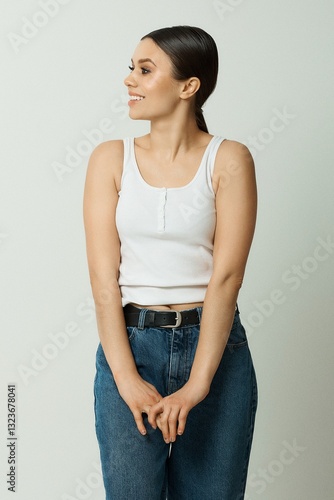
200,119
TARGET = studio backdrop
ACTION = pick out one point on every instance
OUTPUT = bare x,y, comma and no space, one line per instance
62,93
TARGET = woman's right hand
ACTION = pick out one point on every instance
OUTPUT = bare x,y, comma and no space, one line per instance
139,395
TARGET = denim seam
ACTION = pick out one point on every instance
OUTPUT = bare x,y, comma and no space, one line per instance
170,361
238,344
186,359
95,397
250,434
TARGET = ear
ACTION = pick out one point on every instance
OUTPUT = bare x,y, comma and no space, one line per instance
190,87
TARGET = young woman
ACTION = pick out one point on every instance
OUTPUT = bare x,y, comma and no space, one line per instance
169,220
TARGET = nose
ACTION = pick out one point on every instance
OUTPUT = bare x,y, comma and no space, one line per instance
129,81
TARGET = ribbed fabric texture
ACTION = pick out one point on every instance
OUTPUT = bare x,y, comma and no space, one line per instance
166,234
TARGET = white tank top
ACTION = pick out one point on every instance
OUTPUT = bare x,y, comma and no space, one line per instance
166,234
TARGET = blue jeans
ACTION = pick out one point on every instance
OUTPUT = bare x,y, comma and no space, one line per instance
210,460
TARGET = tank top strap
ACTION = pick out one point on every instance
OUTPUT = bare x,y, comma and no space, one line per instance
127,157
208,164
127,142
212,153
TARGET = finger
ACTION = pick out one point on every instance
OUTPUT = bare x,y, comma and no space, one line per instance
137,415
153,413
172,424
146,409
164,425
182,421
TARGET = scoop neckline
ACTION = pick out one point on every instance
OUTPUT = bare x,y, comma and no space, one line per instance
169,188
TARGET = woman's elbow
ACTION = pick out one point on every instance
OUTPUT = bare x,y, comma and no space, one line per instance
229,281
104,289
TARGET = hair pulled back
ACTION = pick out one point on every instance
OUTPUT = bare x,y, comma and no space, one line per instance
193,53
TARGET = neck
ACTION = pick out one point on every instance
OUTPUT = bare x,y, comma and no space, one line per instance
173,134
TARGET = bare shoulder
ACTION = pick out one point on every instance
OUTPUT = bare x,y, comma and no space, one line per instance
234,150
106,163
107,155
233,161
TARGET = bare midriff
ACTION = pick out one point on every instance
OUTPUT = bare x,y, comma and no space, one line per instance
174,307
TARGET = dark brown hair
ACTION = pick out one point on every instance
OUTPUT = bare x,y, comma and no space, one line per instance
193,53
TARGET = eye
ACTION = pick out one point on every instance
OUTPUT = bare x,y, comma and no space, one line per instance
144,71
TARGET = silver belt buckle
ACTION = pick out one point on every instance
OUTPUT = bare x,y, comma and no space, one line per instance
178,320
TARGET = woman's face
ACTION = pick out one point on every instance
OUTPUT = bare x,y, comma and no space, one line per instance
153,92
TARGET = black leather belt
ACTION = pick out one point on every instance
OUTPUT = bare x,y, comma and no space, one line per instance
166,319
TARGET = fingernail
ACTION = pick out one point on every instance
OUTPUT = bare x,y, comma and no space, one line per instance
143,433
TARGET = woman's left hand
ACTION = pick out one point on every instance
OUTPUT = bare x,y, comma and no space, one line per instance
170,414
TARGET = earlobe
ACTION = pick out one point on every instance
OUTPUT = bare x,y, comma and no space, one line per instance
190,88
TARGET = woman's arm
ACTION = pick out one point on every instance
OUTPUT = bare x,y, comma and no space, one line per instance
103,255
236,203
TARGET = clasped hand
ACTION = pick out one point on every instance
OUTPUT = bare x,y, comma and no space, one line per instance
169,413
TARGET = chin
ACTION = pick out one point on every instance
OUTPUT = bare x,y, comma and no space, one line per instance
137,116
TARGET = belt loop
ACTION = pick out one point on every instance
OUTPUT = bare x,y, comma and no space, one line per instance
141,319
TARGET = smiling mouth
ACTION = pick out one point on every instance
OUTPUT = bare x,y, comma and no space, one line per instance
136,98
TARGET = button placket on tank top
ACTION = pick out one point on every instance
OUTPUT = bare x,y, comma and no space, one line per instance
162,200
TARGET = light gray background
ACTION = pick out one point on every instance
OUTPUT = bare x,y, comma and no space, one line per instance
65,77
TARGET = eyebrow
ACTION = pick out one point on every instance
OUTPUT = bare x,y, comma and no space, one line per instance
147,59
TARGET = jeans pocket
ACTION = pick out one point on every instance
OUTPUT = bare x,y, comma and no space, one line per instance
237,337
131,331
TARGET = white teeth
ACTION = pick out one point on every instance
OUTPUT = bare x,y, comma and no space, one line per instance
135,98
